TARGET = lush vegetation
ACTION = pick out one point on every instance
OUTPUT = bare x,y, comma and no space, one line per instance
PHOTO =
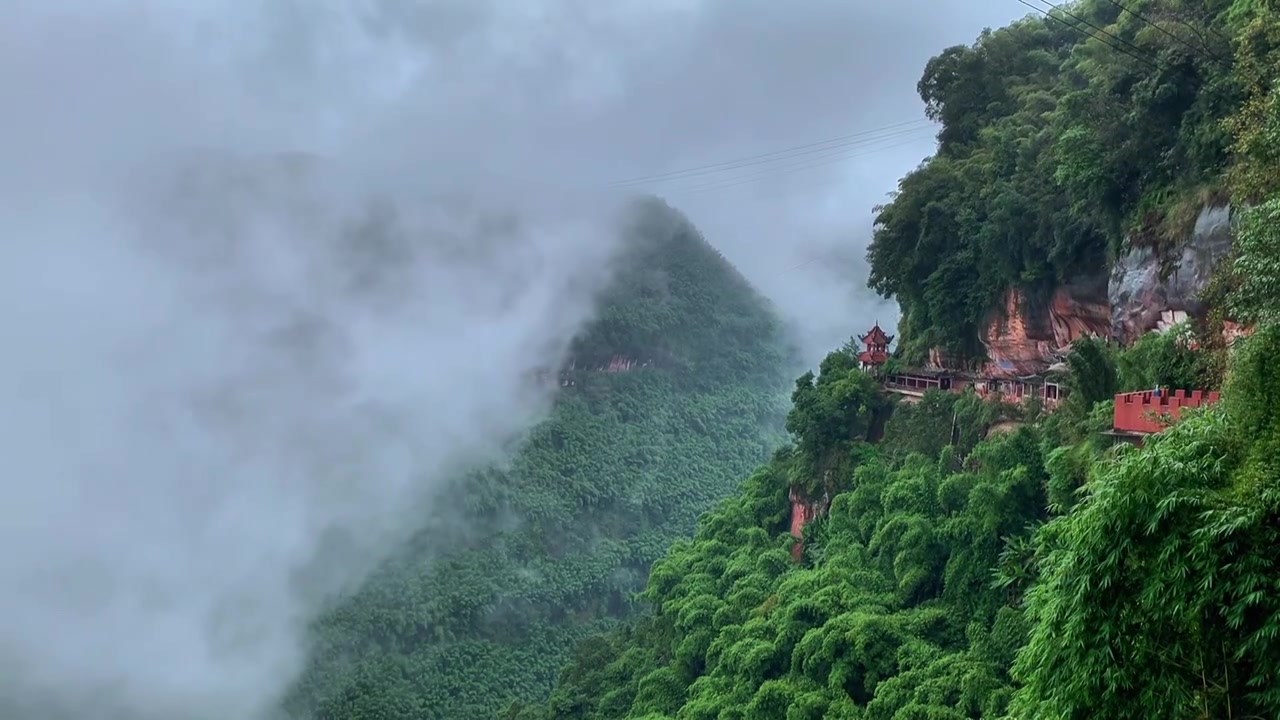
1041,572
1067,139
1044,571
550,548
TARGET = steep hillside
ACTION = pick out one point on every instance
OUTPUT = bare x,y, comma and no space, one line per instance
670,398
1043,571
1084,176
1038,573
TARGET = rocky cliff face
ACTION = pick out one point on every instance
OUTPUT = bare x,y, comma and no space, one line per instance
803,511
1137,292
1025,337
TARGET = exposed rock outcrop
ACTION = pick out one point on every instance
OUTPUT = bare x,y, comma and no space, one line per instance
566,377
1014,347
1025,340
1079,309
803,511
937,361
1232,331
622,363
1139,294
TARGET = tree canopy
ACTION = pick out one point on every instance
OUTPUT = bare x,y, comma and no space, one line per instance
1065,140
1044,571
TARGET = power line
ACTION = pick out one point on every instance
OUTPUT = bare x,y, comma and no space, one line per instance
750,180
843,141
755,177
1146,61
1141,55
836,149
828,155
832,150
1195,31
787,170
1203,49
1104,31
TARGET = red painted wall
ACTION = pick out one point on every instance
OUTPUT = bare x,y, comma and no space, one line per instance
1143,411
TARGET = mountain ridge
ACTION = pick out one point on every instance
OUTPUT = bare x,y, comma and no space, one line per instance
967,568
548,548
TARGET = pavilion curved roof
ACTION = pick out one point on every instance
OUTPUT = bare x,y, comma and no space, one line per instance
876,336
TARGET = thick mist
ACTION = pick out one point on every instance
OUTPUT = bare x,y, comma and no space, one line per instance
216,416
272,271
234,378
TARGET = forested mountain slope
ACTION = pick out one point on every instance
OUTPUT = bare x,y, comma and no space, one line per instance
1044,572
1069,142
1040,573
535,555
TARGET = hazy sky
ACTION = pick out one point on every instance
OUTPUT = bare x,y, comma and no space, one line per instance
548,93
230,386
601,92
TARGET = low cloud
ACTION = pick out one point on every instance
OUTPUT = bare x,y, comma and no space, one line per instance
219,412
234,378
273,271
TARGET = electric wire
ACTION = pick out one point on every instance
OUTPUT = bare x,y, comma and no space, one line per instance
853,145
830,155
1202,50
744,180
842,141
1104,31
1146,61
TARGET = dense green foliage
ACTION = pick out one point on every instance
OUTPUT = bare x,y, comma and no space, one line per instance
940,419
831,415
1257,262
1065,138
1039,573
1045,571
893,609
550,548
1158,590
1168,360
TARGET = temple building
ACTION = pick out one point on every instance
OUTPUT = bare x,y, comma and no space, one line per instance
877,348
1000,380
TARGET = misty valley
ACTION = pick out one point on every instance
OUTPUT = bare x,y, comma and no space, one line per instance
342,382
540,553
